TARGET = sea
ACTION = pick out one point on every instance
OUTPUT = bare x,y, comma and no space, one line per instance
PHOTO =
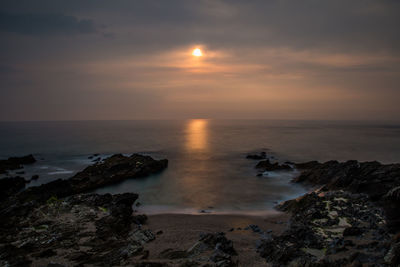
208,171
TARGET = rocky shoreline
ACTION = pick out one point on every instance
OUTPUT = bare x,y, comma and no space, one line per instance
350,219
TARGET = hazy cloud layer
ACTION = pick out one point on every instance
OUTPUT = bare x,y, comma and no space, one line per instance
98,59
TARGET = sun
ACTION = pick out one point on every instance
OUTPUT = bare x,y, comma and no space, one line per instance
197,52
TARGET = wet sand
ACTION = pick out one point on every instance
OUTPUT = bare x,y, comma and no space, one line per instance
181,231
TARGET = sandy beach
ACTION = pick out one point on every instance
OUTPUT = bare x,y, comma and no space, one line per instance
182,231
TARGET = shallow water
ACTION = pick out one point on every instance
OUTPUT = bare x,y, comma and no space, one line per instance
207,165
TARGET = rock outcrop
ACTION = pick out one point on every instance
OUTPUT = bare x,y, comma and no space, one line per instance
112,170
211,247
14,163
262,155
348,221
78,230
332,228
378,181
266,165
116,169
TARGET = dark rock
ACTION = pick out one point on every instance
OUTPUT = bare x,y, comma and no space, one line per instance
145,255
337,245
380,182
307,165
159,232
266,165
116,169
393,255
262,155
315,232
45,254
58,188
140,219
255,228
35,177
352,231
222,259
97,159
224,244
120,217
393,194
10,186
20,172
173,254
14,163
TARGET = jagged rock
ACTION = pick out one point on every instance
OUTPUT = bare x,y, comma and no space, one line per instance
262,155
101,223
116,169
393,194
218,239
319,228
266,165
14,163
379,181
393,256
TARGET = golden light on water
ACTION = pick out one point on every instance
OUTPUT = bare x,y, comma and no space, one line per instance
196,134
197,52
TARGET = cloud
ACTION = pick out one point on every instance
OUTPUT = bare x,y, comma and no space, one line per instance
275,58
45,24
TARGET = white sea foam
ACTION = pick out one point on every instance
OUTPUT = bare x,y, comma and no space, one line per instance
60,171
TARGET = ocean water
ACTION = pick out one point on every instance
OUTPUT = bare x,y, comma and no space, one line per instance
207,165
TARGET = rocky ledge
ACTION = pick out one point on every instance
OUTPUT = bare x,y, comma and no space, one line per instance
116,169
352,219
113,170
78,230
56,223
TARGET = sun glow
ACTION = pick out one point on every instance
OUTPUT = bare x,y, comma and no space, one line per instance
197,52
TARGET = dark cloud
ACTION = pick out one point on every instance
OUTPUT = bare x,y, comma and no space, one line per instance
44,24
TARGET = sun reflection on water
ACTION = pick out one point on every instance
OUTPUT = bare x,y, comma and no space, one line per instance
197,135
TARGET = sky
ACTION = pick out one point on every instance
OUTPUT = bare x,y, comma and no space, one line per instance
122,60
